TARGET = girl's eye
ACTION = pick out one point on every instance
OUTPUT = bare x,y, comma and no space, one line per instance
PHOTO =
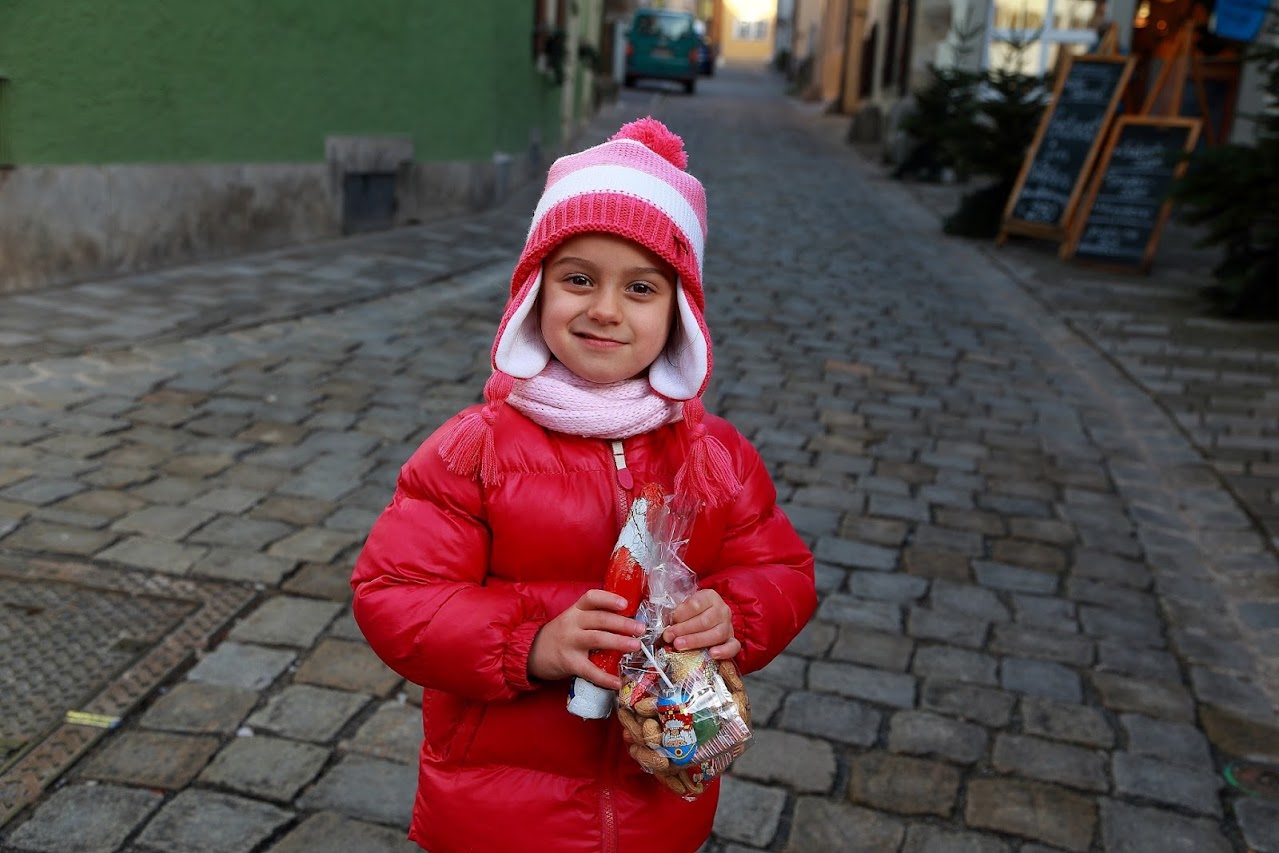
579,280
643,287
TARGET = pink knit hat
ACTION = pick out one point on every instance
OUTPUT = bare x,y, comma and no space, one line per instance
634,185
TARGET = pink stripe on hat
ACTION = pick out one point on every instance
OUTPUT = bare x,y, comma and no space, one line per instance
610,179
613,155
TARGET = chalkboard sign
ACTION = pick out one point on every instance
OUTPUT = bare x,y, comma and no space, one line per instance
1066,143
1127,201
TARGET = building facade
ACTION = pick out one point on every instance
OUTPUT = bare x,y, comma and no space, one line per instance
864,57
747,30
164,132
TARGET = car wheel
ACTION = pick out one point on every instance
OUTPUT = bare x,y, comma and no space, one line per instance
629,82
690,86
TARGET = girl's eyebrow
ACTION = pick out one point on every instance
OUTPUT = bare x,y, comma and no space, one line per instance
570,259
649,271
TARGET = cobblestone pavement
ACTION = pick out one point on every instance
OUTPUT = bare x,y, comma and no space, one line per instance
1042,507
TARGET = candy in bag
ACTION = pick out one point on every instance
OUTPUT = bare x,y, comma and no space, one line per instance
687,716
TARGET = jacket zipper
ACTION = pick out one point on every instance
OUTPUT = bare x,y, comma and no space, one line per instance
624,482
610,819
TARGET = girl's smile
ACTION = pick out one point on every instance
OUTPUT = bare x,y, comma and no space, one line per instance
603,343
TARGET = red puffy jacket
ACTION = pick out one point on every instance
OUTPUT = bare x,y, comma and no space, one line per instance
456,579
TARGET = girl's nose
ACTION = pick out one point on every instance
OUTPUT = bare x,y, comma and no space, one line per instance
605,306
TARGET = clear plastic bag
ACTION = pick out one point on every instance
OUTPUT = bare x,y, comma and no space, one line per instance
686,715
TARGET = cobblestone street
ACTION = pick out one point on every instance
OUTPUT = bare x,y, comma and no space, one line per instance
1044,503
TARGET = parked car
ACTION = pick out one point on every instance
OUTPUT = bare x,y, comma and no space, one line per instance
663,45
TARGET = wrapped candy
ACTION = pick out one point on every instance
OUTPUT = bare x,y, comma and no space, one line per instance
633,554
686,716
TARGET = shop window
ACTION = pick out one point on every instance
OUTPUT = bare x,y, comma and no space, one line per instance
1028,35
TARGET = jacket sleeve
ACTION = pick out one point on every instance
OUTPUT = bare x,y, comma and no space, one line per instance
764,571
419,594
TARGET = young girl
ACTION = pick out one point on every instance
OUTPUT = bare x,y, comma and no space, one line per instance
480,581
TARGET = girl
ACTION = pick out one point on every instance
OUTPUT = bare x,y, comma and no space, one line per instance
480,581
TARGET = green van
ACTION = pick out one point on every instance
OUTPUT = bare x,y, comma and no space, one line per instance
662,45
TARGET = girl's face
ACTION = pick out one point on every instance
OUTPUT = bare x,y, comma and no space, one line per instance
606,306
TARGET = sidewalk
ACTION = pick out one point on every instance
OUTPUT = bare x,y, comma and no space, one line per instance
1042,499
1215,376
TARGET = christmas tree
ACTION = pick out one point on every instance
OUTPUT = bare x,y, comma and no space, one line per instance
1233,191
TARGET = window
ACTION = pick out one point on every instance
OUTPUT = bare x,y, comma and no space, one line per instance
750,30
1027,35
672,27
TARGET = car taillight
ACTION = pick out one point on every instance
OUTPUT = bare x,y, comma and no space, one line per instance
630,50
692,55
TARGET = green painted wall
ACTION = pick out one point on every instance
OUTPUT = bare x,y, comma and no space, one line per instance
234,81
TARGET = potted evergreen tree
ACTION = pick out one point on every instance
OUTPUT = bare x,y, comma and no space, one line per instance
1009,106
976,123
1233,190
942,111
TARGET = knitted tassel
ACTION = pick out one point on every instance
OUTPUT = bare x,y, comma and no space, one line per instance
489,474
468,448
707,473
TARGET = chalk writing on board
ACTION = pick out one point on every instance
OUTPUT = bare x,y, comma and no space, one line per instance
1049,182
1068,127
1090,82
1067,141
1130,186
1112,242
1110,211
1127,203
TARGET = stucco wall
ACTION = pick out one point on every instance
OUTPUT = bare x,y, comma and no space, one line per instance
146,132
65,223
933,21
806,31
62,222
1252,92
734,49
264,80
836,29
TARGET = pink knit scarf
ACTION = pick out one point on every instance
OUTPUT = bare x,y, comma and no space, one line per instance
560,400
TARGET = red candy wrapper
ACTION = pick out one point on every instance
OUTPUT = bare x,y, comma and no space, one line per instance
627,571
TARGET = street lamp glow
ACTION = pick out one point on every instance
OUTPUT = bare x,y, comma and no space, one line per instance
752,10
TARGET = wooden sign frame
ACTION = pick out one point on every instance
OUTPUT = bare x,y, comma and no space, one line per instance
1109,43
1182,66
1071,245
1059,231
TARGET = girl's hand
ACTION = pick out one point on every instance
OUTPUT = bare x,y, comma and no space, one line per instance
703,621
562,646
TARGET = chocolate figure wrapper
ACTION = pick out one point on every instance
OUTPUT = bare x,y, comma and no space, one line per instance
632,556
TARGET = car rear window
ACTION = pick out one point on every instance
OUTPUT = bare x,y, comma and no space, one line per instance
671,26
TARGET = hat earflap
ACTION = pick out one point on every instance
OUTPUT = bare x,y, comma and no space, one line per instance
680,372
521,351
